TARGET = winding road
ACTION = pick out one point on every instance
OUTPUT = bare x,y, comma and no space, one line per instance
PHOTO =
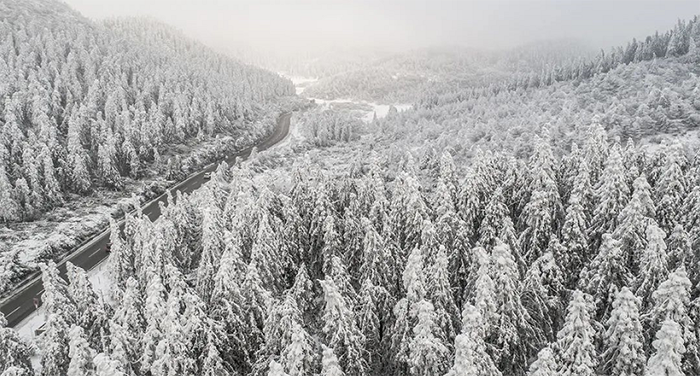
19,304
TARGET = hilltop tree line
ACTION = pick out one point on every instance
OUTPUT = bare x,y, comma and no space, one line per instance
84,105
581,265
681,41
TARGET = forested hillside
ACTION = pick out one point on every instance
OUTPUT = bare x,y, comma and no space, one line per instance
408,76
85,104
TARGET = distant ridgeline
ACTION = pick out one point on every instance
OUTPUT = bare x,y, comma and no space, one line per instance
682,40
84,104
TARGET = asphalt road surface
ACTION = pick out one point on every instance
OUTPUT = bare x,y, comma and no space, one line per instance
20,303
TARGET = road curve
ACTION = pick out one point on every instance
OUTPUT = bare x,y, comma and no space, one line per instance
19,304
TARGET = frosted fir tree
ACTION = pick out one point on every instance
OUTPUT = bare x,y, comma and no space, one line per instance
174,353
635,217
92,316
213,364
408,212
279,324
14,351
484,291
671,300
331,244
9,208
213,237
303,290
690,212
611,195
374,320
668,351
440,292
77,155
443,200
680,252
256,301
120,259
428,354
494,214
574,236
680,248
129,317
154,313
55,297
576,339
266,255
538,222
276,369
298,356
471,357
653,267
329,363
545,364
624,337
104,366
340,329
377,260
514,332
80,354
106,162
54,354
606,274
671,188
542,290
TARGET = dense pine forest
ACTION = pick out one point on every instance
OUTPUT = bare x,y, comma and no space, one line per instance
84,105
583,265
538,226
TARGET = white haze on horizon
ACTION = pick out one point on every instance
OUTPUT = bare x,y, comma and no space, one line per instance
293,25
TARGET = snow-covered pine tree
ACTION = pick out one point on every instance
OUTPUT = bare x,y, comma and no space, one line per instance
14,351
671,300
341,331
213,364
428,355
575,236
653,266
624,337
606,274
104,366
576,340
513,335
471,357
542,290
91,314
545,364
54,354
80,353
276,369
669,351
440,293
635,217
329,363
611,196
298,356
670,189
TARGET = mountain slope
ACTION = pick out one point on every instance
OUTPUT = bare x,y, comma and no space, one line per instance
83,105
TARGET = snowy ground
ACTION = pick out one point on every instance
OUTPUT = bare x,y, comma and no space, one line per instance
369,108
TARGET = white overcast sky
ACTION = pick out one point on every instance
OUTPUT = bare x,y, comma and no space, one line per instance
403,24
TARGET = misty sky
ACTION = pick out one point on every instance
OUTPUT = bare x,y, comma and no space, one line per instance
402,24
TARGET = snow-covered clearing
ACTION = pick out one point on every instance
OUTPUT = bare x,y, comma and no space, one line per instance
368,108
